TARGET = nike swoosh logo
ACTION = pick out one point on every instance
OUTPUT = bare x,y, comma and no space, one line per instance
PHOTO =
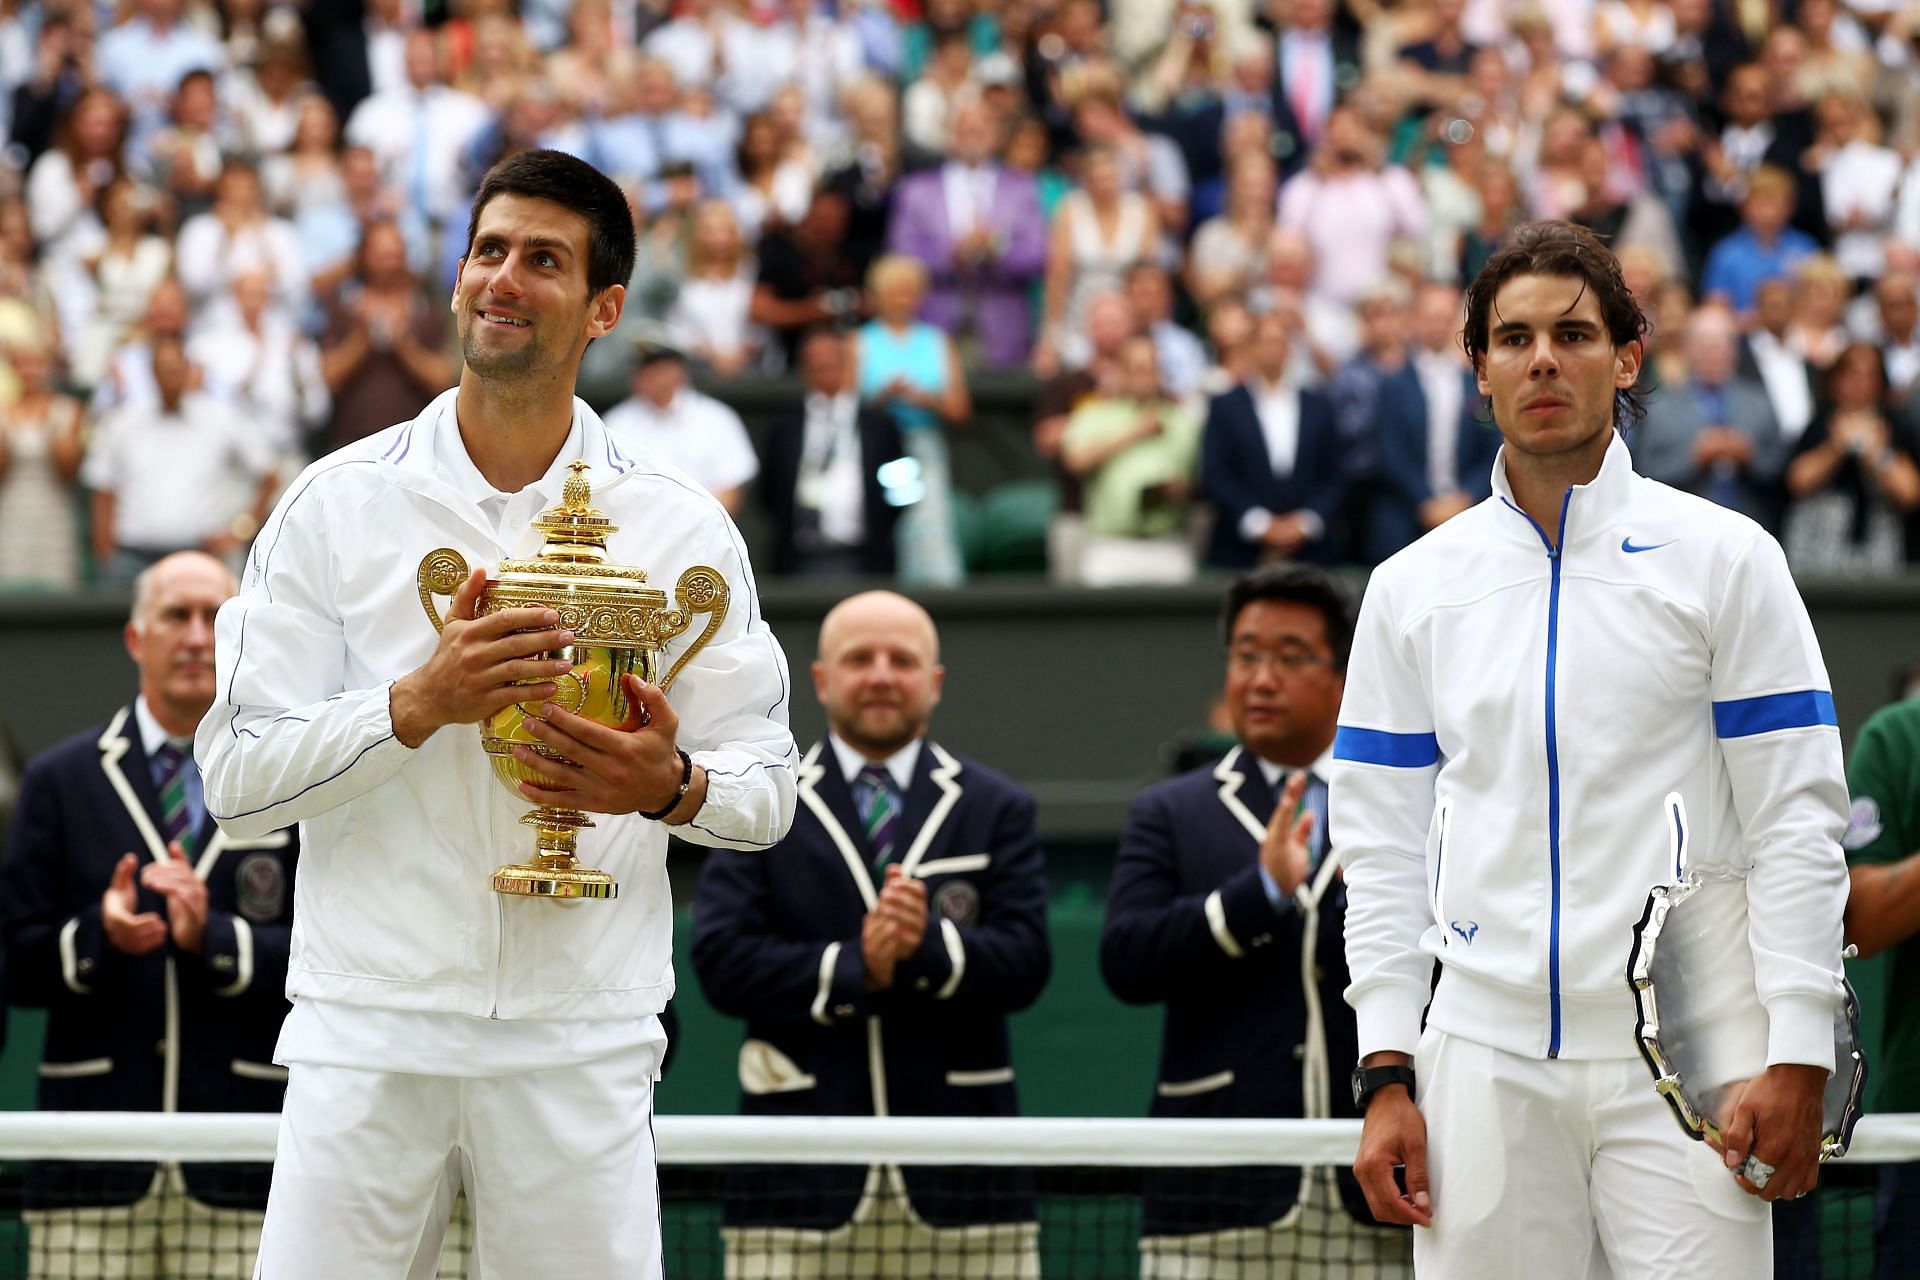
1626,545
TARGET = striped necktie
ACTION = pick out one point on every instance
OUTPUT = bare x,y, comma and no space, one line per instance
171,767
874,789
1315,802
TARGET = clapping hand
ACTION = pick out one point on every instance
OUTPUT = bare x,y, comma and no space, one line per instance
185,894
129,930
893,930
1285,851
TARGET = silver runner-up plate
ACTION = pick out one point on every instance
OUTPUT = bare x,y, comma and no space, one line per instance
1701,1027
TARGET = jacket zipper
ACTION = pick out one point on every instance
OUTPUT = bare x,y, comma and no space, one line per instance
1555,553
499,953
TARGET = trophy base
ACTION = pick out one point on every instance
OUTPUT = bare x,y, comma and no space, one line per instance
554,872
534,881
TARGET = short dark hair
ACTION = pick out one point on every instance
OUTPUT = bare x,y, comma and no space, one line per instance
576,185
1560,249
1301,584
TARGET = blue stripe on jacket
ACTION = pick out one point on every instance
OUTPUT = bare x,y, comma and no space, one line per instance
1376,746
1770,713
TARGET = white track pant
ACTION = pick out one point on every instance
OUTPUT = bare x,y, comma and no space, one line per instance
1572,1169
558,1168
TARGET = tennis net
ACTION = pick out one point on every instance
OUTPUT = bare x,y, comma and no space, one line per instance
140,1195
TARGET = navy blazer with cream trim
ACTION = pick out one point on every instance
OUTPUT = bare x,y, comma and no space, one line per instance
776,941
1256,1025
167,1031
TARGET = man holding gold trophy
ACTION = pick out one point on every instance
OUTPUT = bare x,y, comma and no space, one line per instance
475,1003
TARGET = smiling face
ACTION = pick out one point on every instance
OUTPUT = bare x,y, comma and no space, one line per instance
521,302
1550,367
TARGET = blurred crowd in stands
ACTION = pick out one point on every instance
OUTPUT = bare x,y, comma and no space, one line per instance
1222,241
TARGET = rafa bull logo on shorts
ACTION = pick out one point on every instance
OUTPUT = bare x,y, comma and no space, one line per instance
260,883
958,901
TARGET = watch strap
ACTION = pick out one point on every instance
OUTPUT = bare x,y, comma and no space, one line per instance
1368,1081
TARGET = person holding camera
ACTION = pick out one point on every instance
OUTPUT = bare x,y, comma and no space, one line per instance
1352,206
1853,481
807,275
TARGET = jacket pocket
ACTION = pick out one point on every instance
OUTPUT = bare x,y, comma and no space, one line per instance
258,1071
1190,1088
764,1069
978,1079
75,1070
1443,829
1677,836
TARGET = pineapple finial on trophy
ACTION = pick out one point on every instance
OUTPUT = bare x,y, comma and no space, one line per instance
575,495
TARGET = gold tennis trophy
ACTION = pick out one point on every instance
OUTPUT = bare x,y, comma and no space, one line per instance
620,626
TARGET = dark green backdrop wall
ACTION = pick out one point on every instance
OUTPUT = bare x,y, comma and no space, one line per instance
1079,694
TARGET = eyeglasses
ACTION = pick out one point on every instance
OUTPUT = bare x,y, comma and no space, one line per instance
1286,661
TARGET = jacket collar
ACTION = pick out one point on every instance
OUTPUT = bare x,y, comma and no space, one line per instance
1591,508
123,762
1232,773
412,457
929,801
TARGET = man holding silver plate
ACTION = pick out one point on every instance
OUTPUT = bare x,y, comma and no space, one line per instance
1585,687
472,1008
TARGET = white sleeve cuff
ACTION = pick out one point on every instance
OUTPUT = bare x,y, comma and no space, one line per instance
1311,524
1253,524
1216,911
243,959
1800,1030
828,960
70,958
1388,1018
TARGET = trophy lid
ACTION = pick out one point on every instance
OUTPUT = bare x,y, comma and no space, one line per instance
575,530
574,555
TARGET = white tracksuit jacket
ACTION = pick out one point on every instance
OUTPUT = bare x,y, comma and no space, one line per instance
1531,740
393,904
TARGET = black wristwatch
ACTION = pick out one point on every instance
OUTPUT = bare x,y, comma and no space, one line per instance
686,781
1368,1081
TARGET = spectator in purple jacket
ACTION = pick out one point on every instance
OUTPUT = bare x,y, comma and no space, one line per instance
976,226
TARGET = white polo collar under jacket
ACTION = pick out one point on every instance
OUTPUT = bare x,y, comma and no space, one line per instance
1592,509
412,462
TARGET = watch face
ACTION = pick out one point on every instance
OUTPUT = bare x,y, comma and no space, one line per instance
1359,1084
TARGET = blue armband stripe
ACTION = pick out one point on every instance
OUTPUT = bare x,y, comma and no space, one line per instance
1375,746
1770,713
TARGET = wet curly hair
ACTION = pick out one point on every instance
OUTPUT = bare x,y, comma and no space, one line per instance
1561,249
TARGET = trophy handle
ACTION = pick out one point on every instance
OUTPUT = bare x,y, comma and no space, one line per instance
700,590
441,573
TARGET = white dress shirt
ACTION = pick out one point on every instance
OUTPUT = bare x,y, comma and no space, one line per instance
694,432
1441,385
900,765
1864,179
831,481
1277,405
969,192
177,478
1784,375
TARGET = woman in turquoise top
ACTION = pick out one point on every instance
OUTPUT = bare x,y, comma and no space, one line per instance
911,369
